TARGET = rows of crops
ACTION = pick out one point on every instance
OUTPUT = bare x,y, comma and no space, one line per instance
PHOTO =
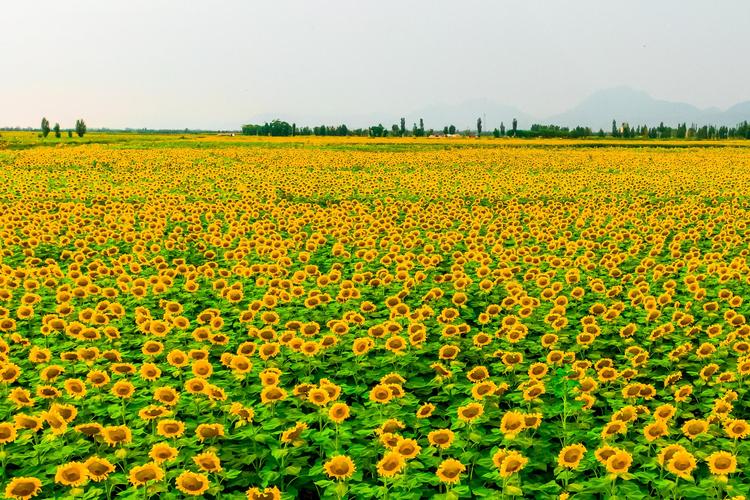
317,320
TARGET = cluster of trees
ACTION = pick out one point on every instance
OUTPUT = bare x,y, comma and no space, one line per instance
80,128
624,130
681,131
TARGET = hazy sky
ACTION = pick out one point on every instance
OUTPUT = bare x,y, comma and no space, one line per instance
216,64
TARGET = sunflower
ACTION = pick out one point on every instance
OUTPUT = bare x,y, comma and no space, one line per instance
603,453
570,456
470,412
163,452
381,393
116,434
692,428
98,468
619,462
340,467
7,433
426,410
209,431
75,388
23,488
90,429
293,434
449,471
509,462
272,394
169,428
208,462
441,438
166,395
737,428
271,493
318,396
612,428
722,463
142,474
654,431
391,464
152,412
408,448
682,464
192,484
71,474
242,412
123,389
512,423
338,412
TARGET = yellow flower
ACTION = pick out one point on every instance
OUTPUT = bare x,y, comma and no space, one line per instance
571,456
23,488
338,412
441,438
722,463
208,462
162,452
98,468
271,493
619,462
72,474
192,484
682,464
391,464
142,474
340,467
449,471
509,462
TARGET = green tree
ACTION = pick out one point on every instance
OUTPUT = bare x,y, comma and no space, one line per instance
56,130
479,127
45,127
496,133
70,133
502,129
403,127
515,126
452,129
80,127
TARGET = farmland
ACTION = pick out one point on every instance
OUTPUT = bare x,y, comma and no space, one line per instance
234,317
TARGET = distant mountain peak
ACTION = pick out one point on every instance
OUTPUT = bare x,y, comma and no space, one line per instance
637,107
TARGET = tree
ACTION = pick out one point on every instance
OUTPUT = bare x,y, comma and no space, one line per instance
403,127
70,133
479,127
515,126
56,129
614,129
496,133
45,127
395,130
452,129
502,129
80,127
421,127
445,130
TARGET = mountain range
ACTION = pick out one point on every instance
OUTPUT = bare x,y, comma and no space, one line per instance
623,104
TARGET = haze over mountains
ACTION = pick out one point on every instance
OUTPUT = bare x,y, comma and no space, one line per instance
623,104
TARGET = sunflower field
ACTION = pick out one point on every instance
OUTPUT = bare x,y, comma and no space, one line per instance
253,318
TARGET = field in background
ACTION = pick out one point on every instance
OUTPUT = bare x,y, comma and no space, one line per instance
365,317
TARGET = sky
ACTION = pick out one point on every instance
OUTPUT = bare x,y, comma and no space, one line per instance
218,64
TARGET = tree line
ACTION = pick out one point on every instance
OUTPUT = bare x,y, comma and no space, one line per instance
280,128
80,128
